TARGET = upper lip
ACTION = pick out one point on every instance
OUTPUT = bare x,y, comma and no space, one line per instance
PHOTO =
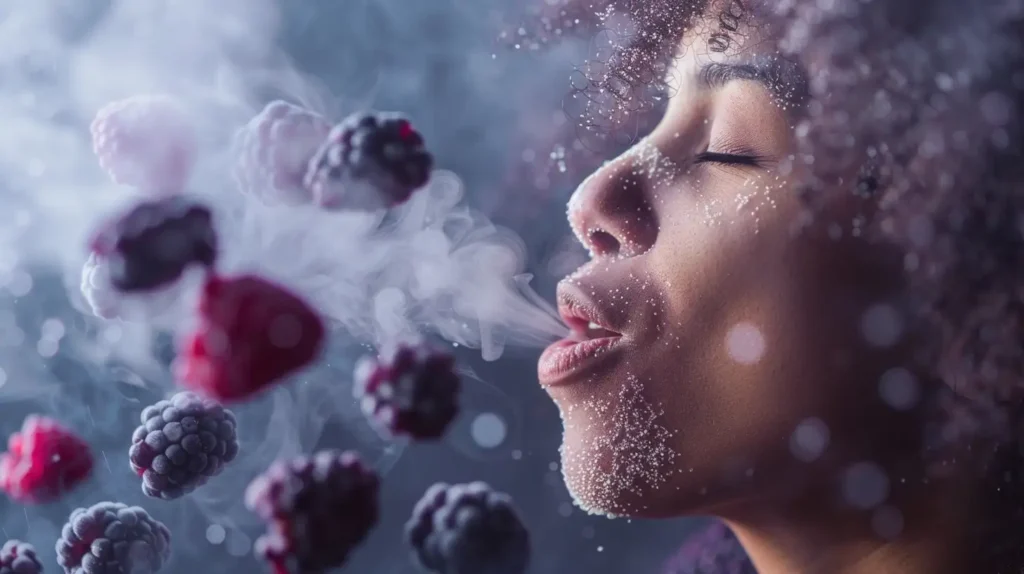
579,311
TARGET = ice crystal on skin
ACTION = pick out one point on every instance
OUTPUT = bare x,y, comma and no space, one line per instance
626,455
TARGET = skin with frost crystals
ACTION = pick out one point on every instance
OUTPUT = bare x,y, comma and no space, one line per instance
713,310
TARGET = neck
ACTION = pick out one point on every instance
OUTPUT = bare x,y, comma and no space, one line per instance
920,530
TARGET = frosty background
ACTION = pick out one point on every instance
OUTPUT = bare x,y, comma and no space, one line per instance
476,103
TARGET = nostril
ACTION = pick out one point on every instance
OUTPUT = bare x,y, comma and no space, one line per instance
603,243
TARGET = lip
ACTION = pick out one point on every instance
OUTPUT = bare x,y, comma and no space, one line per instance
563,361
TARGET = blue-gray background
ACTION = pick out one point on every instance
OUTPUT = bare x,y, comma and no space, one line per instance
476,102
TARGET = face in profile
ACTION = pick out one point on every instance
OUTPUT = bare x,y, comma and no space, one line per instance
723,351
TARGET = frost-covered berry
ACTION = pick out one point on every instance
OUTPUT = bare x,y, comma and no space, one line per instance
145,141
251,334
369,161
113,538
318,509
106,302
43,461
411,392
151,245
182,442
712,551
273,152
468,529
17,557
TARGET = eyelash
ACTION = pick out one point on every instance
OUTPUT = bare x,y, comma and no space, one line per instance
728,159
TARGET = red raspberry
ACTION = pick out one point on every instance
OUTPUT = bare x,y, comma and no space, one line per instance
145,141
412,392
43,461
273,152
252,333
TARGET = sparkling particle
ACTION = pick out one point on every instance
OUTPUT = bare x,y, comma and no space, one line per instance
488,430
882,325
809,440
899,389
865,485
626,453
745,343
215,534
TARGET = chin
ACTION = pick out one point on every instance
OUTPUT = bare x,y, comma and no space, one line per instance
617,458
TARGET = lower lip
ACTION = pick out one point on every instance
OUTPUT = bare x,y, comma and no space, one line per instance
567,357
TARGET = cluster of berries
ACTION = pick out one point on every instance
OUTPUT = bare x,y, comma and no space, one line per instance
369,161
252,334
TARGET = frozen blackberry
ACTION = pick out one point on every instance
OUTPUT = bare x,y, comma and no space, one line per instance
151,245
273,152
318,509
369,161
182,442
17,557
113,538
413,392
468,529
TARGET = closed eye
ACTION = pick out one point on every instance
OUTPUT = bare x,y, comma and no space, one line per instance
728,159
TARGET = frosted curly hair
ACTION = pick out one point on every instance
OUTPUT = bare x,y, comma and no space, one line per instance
924,100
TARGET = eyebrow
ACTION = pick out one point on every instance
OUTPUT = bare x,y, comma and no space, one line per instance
785,78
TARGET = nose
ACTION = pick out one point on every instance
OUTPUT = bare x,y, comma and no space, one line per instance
612,212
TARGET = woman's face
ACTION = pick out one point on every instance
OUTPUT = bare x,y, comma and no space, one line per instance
733,356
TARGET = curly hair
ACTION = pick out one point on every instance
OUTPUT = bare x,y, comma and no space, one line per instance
925,101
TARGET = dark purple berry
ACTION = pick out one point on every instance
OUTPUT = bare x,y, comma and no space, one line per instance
468,529
318,509
369,161
413,392
182,442
113,538
712,551
17,557
151,245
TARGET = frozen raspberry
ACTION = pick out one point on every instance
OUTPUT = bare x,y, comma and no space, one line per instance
273,152
151,245
146,142
43,461
181,443
17,557
468,529
712,551
369,161
413,392
318,509
113,538
252,333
